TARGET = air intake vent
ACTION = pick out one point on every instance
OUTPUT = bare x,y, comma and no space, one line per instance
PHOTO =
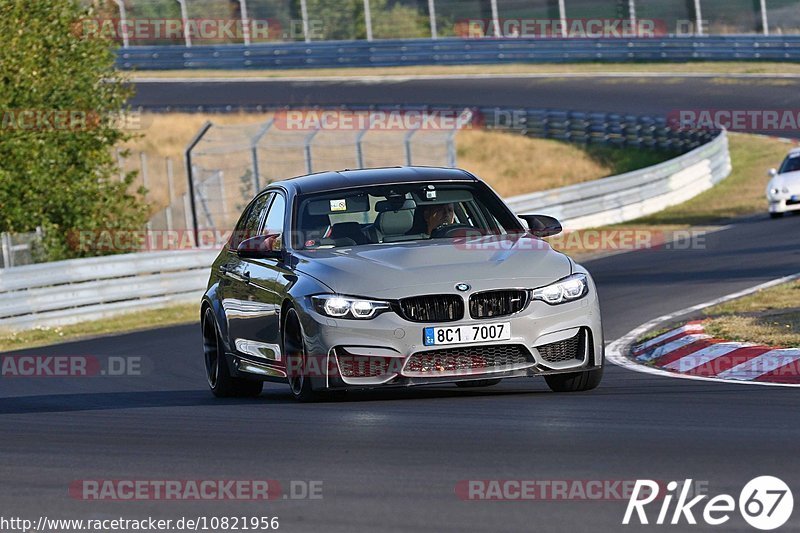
468,360
433,308
563,351
493,304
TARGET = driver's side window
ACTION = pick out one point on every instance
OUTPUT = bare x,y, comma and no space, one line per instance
250,222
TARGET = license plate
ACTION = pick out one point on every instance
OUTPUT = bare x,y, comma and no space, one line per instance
466,334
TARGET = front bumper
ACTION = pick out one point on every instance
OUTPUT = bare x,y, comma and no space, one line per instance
784,201
389,350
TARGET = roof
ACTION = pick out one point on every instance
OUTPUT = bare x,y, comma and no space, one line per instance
344,179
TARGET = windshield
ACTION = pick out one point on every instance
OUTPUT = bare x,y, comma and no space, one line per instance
791,164
399,213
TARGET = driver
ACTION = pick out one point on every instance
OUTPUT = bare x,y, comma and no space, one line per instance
438,215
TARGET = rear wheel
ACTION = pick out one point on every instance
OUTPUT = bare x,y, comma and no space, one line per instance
478,383
775,215
296,359
575,381
222,384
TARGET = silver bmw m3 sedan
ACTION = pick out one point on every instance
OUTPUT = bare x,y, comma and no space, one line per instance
395,277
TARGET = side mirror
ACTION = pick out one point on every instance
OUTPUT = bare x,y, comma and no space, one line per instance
542,225
261,247
772,172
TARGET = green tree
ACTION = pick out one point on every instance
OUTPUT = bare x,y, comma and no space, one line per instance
58,92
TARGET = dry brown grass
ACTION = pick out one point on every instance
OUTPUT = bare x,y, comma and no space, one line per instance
513,164
770,317
782,330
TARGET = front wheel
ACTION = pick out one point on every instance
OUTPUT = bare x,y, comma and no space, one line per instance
220,381
575,381
296,359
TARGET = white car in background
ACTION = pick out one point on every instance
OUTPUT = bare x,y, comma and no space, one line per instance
783,191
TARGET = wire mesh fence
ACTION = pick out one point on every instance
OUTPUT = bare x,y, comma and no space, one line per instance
230,164
202,22
18,249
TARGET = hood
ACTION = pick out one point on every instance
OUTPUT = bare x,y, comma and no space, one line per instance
405,269
789,179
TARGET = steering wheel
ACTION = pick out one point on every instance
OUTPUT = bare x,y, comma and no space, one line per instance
452,230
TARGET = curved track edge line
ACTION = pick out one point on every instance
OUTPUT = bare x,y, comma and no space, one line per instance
615,352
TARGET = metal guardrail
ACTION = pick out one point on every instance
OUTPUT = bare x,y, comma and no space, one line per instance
634,194
399,52
67,292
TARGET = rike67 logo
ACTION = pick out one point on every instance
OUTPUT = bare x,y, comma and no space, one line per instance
765,503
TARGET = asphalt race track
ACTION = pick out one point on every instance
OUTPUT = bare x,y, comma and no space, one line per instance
657,95
393,459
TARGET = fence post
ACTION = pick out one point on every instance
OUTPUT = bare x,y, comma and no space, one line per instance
123,21
304,15
368,19
185,19
307,150
495,19
5,245
432,16
120,163
170,193
764,17
143,168
407,145
254,153
359,147
190,177
562,14
632,16
245,22
222,196
698,15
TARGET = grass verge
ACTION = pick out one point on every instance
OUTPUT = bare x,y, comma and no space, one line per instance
770,317
166,316
700,67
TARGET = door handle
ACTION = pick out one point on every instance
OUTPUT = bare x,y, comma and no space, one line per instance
223,269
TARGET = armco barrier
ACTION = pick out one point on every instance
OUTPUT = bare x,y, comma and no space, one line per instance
67,292
399,52
634,194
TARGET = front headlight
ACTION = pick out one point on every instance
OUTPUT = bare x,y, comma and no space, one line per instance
336,306
569,289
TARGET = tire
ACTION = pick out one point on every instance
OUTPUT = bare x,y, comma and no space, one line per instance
478,383
295,352
775,215
218,375
575,381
